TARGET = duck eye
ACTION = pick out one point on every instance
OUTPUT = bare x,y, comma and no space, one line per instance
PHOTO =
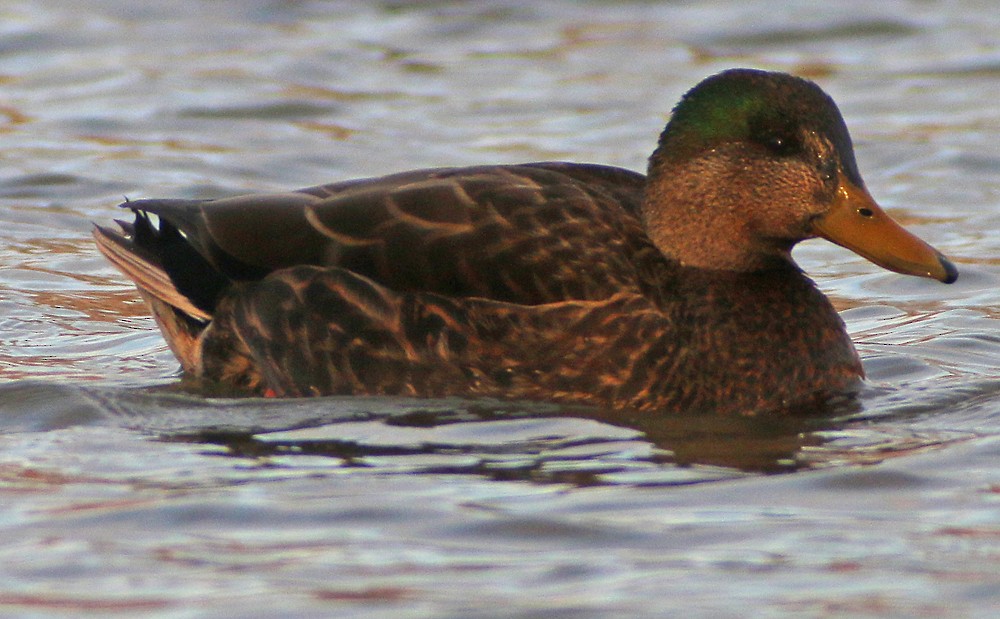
782,145
866,212
776,133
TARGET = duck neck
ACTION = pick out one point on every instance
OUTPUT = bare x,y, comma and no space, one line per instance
695,216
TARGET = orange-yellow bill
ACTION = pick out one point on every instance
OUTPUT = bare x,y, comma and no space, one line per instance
856,222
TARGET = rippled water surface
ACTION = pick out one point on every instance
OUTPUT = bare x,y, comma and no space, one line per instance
120,495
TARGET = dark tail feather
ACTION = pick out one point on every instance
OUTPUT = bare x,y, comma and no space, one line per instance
180,320
145,269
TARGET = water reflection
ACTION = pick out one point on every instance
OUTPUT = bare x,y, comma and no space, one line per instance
499,440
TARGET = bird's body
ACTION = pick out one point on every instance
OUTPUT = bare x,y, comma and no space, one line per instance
548,281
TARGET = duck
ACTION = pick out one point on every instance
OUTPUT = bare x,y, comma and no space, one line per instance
574,283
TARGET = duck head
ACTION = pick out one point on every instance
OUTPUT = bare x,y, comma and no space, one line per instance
753,162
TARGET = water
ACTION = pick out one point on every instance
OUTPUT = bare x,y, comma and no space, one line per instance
120,495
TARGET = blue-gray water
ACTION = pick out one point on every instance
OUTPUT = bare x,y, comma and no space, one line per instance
120,496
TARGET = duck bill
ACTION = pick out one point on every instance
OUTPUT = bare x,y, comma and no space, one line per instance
856,222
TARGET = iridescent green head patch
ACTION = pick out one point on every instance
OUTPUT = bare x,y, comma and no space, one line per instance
720,108
747,105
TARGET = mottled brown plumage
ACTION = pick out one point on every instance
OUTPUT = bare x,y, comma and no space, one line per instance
548,281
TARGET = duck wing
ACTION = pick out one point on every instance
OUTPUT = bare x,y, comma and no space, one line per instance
530,234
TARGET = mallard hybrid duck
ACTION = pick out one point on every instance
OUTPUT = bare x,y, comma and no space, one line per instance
565,282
